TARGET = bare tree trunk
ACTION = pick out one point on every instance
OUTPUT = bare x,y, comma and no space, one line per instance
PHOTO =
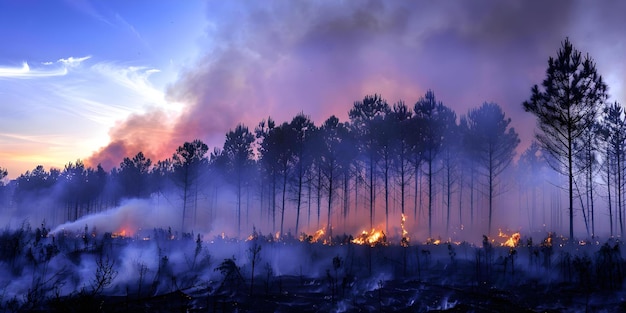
299,200
330,201
430,198
387,194
319,195
372,195
282,210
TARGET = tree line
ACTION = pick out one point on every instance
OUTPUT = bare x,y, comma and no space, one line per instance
421,160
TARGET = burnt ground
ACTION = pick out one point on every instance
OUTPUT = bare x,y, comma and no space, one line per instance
294,276
440,290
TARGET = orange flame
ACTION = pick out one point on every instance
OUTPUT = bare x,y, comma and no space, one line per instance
372,238
316,237
512,241
121,233
405,234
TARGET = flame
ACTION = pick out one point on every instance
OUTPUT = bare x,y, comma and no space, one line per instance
547,242
316,237
501,234
513,241
121,233
405,234
372,238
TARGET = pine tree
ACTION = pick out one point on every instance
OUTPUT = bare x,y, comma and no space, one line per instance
565,105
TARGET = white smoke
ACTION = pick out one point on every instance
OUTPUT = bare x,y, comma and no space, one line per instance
132,215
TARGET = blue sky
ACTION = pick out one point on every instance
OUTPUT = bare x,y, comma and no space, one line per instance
70,70
100,80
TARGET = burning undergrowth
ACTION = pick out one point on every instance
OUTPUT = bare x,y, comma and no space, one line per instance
131,270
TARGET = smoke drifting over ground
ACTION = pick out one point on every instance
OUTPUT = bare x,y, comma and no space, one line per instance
280,58
131,216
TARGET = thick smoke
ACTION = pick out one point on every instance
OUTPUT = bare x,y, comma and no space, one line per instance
281,58
277,59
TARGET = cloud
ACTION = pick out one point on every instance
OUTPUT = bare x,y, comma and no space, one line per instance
134,78
73,62
26,71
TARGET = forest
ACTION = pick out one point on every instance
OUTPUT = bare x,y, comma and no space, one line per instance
393,176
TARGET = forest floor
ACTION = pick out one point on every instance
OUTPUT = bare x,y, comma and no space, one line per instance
167,274
304,294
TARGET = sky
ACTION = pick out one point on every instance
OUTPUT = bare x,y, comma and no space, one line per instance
102,80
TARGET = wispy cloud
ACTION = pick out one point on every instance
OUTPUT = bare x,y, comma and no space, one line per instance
87,7
47,70
26,72
133,78
73,62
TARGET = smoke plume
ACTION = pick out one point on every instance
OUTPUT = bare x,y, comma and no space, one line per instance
281,58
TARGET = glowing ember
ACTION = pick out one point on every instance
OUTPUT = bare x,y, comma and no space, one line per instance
501,234
432,241
121,233
547,242
372,238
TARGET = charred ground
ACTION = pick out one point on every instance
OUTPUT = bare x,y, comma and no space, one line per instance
161,271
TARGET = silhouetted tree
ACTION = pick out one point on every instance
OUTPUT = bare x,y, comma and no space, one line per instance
449,159
332,134
494,143
403,148
187,162
586,163
36,186
3,174
565,107
73,179
95,186
613,134
134,175
465,167
434,119
238,152
268,168
303,130
363,117
277,148
3,188
385,141
347,158
161,175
